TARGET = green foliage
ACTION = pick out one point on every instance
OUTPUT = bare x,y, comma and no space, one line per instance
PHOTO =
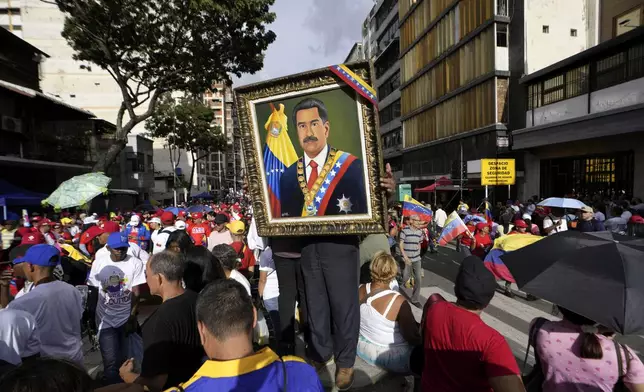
186,124
151,47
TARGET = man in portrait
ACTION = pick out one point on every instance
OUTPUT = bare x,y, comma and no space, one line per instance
324,181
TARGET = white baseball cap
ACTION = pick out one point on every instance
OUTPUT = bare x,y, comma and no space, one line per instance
180,225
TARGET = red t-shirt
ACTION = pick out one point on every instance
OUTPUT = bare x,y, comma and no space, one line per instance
248,259
462,352
199,233
465,239
482,243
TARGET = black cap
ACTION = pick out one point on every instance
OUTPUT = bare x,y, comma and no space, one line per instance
474,284
220,219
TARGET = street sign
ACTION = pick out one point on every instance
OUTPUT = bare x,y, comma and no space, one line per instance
403,189
498,172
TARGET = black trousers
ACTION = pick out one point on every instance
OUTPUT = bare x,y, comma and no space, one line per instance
291,284
331,283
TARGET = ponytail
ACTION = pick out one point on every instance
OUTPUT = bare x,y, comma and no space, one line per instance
591,347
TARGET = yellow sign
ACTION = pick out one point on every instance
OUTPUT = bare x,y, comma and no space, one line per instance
498,172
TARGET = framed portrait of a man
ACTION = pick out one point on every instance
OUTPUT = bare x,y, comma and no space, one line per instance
312,155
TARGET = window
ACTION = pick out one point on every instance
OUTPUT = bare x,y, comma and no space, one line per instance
629,20
573,32
389,86
390,113
546,29
502,36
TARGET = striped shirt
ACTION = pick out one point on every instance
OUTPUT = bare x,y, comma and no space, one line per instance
411,238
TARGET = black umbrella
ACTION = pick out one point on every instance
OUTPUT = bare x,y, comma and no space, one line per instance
597,275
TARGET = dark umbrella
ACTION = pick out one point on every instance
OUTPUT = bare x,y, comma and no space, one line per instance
597,275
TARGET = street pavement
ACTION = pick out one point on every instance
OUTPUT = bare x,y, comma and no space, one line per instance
510,316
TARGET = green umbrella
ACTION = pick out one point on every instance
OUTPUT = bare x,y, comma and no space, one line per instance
78,190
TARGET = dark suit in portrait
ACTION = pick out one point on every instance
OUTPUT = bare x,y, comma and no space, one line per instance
341,191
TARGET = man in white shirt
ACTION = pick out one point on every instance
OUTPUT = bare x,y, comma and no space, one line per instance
117,277
160,240
440,216
221,234
133,250
555,222
19,336
268,288
56,306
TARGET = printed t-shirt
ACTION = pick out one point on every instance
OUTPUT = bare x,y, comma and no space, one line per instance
462,352
19,335
199,233
563,369
115,281
57,308
246,255
261,372
133,250
171,342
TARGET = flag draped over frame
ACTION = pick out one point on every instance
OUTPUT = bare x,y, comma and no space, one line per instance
453,227
279,154
355,82
413,207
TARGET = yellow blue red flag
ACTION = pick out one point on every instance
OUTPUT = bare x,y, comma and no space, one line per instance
453,227
413,207
354,81
279,154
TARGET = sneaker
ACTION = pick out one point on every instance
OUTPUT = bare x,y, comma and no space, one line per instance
319,366
344,379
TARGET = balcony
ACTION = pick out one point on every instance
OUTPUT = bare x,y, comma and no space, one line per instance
596,93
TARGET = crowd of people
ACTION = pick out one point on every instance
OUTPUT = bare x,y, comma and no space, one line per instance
68,275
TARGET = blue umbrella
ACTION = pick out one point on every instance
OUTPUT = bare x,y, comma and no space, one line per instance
175,210
562,202
474,218
199,208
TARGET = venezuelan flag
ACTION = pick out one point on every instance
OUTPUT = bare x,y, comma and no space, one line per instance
413,207
488,213
454,227
493,261
279,154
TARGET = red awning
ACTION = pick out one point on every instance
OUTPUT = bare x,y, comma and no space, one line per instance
443,181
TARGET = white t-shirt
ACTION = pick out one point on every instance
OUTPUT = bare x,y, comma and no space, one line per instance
236,275
216,238
440,217
266,263
562,226
134,250
57,308
19,335
161,239
115,281
255,242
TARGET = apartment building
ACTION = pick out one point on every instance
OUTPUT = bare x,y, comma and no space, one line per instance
460,63
380,46
584,121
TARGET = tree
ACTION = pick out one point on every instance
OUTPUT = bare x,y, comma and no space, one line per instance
151,47
186,124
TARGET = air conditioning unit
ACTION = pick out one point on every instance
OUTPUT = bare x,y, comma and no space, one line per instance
11,124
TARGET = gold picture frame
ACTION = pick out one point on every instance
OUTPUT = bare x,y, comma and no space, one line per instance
258,125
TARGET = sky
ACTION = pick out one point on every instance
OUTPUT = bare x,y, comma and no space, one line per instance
310,34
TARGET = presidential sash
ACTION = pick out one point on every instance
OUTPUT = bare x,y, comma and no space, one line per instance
317,198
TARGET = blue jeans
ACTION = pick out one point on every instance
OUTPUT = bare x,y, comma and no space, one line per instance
116,348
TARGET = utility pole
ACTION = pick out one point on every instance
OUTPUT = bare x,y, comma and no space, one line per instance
460,169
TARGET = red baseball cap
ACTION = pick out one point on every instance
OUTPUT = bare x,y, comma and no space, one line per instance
32,238
182,213
197,215
167,218
90,234
110,227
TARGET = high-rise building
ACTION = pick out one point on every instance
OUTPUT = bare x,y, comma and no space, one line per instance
460,65
583,127
381,47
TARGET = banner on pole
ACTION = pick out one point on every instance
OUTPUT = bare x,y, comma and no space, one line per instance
498,172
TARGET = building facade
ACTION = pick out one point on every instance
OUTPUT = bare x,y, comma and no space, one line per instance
43,140
77,83
584,132
380,46
461,61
